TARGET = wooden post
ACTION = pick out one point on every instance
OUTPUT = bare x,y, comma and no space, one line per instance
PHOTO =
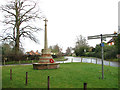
109,63
85,86
71,60
26,82
10,74
48,82
26,58
91,60
96,60
4,61
81,59
19,61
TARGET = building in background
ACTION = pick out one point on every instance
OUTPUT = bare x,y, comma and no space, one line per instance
111,41
33,53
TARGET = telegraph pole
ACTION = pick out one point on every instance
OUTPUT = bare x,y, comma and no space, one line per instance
102,45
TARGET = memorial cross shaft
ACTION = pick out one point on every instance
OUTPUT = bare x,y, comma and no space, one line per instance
45,42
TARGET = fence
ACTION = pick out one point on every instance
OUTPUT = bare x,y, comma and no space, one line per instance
88,60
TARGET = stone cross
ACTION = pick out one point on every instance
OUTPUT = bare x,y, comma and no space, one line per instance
45,42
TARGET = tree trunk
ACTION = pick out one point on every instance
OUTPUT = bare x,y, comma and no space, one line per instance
17,43
17,28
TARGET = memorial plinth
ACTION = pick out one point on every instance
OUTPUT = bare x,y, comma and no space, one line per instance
39,66
46,61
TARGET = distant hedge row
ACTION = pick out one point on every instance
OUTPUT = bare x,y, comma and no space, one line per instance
110,52
22,57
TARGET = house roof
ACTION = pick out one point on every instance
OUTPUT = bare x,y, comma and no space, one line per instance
33,53
111,40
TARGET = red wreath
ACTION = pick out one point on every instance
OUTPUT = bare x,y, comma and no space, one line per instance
51,60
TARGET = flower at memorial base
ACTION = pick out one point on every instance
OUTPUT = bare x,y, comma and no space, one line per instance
51,61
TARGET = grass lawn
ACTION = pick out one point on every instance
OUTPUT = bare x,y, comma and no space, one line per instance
69,75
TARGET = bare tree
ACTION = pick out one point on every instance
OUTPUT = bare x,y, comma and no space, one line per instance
81,46
57,50
18,17
68,50
81,41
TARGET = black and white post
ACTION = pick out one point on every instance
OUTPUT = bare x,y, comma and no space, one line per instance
102,53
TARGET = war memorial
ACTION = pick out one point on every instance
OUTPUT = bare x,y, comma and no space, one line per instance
46,61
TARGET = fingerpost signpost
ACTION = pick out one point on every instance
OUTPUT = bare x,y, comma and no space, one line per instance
102,37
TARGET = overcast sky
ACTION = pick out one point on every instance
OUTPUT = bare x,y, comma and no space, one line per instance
68,19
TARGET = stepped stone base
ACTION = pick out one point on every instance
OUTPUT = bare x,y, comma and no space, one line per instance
46,56
44,61
40,66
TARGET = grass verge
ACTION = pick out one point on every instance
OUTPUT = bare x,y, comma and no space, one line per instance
69,75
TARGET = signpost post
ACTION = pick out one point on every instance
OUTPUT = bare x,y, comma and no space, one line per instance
102,45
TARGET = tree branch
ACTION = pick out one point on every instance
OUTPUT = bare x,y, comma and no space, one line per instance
28,11
29,35
8,37
28,27
9,22
8,12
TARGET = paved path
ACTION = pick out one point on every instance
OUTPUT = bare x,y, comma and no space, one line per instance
16,64
78,59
